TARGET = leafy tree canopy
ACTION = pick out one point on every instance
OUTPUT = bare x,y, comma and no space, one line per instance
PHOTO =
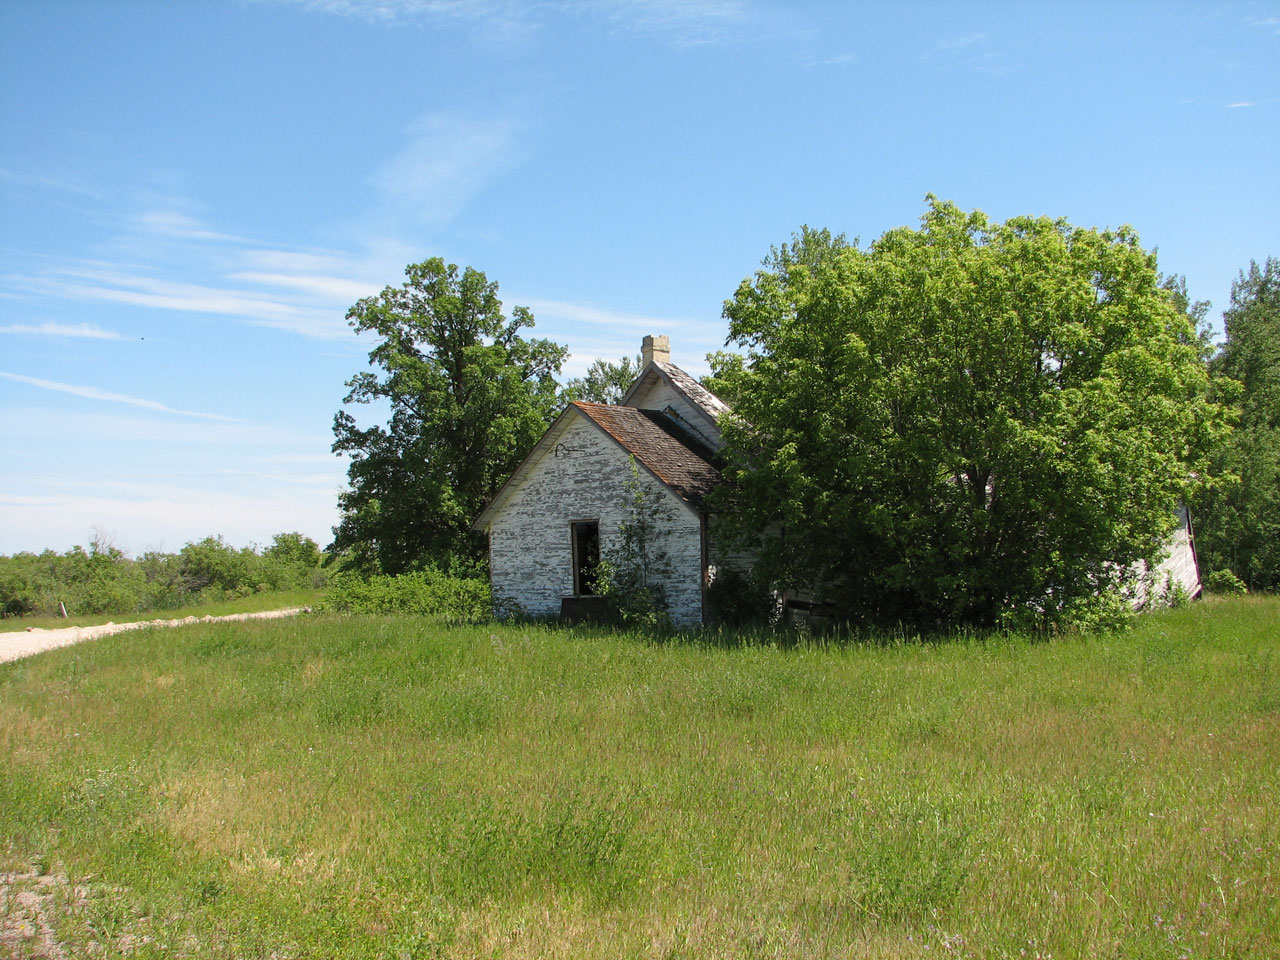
294,547
967,423
1239,526
605,382
468,397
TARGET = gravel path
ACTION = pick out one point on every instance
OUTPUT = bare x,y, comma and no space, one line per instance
14,646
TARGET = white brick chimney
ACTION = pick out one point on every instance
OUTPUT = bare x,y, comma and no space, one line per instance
655,348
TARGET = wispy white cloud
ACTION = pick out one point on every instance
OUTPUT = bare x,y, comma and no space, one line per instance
492,23
834,61
86,331
969,51
329,288
446,160
189,442
1226,105
1266,23
109,283
174,223
395,11
598,316
683,23
165,258
160,479
94,393
958,43
297,261
51,181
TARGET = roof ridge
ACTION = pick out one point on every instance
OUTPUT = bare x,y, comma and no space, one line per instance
707,402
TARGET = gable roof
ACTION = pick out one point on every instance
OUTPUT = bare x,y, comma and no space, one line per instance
703,400
673,456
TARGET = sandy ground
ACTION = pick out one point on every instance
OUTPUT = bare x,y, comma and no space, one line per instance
14,646
26,900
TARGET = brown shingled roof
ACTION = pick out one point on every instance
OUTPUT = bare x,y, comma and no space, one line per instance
658,444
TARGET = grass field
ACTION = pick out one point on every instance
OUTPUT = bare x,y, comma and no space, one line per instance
253,603
330,787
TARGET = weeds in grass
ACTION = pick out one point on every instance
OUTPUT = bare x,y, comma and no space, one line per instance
253,603
373,786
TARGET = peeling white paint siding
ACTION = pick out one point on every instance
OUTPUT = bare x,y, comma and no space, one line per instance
660,394
583,476
1179,568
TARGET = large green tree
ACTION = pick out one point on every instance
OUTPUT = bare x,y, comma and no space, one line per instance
967,423
605,382
1239,524
468,398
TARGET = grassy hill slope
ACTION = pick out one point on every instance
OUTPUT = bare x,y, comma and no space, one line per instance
348,787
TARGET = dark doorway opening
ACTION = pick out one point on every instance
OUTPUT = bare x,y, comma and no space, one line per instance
586,556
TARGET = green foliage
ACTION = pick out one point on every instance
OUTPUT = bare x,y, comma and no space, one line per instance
605,382
429,593
294,548
212,562
1225,583
633,566
468,398
103,579
1174,595
1238,524
967,423
1194,310
737,598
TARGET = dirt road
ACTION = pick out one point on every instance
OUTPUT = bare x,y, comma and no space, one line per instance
14,646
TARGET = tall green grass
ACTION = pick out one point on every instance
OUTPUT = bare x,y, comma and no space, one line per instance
365,787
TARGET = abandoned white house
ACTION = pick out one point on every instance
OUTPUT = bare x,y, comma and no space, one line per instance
550,522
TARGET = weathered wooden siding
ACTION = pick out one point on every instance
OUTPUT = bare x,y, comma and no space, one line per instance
583,476
1179,568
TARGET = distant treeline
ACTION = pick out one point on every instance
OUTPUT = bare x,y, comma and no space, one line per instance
103,579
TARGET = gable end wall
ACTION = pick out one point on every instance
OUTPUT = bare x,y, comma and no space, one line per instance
661,395
530,549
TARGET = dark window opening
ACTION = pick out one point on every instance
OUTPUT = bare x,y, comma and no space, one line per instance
586,556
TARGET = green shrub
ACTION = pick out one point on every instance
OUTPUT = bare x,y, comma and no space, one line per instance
1224,582
428,593
630,574
212,562
294,548
103,579
738,599
1174,595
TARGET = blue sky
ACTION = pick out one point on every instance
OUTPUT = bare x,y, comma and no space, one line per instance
194,193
